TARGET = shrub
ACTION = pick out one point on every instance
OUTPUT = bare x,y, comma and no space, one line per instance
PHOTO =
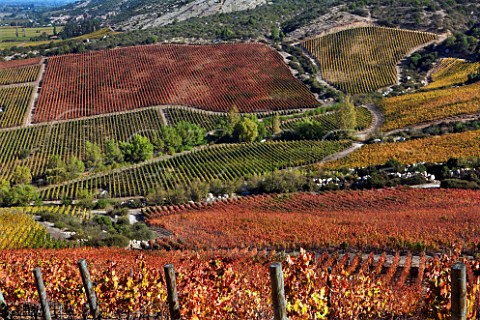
458,184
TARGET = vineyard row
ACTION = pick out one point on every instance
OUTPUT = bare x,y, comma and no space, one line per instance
68,139
14,104
223,162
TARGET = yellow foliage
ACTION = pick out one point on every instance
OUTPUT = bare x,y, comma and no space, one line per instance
452,71
434,149
364,59
410,109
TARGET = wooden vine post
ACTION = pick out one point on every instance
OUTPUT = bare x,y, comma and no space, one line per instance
173,304
4,312
42,294
459,291
278,291
89,290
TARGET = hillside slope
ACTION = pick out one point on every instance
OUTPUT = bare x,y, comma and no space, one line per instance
142,14
136,14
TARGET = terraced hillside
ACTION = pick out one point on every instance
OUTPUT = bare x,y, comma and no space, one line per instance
364,59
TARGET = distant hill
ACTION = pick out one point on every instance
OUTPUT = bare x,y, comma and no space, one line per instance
39,3
434,15
141,14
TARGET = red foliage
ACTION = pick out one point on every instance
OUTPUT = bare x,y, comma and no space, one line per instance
232,284
212,77
19,63
387,219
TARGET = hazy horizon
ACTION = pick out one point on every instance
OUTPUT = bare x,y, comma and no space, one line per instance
36,2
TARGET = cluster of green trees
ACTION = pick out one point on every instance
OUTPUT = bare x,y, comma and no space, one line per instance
169,139
313,130
17,195
75,28
183,136
241,128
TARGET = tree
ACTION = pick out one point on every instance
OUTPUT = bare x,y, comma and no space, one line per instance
22,195
139,149
192,135
275,33
227,33
171,139
151,39
5,192
85,199
198,190
233,118
56,170
93,155
22,175
246,130
24,153
158,143
74,167
310,130
112,153
347,116
276,124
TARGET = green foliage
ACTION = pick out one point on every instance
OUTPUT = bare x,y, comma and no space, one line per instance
24,153
347,116
233,119
152,39
276,124
310,130
58,171
227,33
85,199
459,184
139,149
192,135
172,141
198,190
246,130
22,175
474,77
93,155
74,167
76,28
395,165
112,152
114,240
18,195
